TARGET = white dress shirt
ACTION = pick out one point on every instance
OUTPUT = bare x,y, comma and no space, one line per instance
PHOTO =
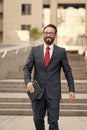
51,49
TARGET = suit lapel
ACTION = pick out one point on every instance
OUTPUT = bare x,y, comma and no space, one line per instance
42,54
54,53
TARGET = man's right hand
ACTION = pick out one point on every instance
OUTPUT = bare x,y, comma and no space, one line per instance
30,87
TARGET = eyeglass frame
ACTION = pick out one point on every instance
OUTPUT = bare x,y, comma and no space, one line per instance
50,33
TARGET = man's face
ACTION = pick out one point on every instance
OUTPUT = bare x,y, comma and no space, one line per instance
49,35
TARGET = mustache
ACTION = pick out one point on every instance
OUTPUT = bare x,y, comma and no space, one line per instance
49,37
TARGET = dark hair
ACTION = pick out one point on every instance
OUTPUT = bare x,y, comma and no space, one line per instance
52,26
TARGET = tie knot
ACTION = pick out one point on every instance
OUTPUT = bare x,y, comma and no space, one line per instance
47,48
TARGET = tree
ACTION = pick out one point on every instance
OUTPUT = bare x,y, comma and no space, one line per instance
35,34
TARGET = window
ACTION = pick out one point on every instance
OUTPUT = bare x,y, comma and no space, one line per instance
46,14
26,9
25,27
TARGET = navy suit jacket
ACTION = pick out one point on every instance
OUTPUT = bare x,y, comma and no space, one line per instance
49,78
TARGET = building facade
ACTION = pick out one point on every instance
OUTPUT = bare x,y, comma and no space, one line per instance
1,21
18,16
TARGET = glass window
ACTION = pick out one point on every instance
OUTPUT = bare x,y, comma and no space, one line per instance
25,27
26,9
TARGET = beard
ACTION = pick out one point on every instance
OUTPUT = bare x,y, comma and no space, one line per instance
49,40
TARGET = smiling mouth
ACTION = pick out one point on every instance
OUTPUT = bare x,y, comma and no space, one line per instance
49,38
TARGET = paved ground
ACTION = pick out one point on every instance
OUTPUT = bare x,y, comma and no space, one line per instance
26,123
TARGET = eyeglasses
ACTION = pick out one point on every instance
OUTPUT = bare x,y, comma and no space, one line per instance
50,33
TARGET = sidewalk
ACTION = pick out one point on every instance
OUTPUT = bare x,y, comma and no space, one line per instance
26,123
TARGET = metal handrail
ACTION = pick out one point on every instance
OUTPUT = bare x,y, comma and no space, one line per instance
8,49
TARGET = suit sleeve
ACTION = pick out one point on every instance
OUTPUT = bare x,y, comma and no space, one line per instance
28,67
68,72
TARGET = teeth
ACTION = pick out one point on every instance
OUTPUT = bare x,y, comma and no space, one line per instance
48,38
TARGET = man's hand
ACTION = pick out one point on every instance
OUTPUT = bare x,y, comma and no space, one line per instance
30,87
71,96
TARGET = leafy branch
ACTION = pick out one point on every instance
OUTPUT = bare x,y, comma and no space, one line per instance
35,34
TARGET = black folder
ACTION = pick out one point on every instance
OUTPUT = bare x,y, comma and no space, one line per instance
37,91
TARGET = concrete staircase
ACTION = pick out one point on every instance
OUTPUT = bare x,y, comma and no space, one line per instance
14,100
76,62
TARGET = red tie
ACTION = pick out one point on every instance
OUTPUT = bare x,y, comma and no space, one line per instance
47,56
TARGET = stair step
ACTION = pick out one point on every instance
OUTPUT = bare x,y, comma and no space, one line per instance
19,87
16,112
64,90
28,112
73,113
15,105
65,106
27,100
9,83
77,76
15,100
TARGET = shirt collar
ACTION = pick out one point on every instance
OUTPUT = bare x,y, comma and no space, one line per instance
51,46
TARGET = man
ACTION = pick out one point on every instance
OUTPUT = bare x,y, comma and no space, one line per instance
48,77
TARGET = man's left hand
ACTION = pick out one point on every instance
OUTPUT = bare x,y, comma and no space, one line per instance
71,96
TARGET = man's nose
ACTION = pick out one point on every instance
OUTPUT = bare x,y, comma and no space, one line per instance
48,34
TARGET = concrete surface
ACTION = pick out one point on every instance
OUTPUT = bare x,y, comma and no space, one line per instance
26,123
